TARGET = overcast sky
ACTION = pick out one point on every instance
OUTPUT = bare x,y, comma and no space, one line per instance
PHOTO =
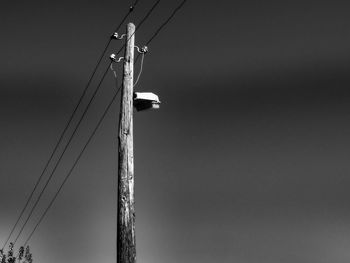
245,161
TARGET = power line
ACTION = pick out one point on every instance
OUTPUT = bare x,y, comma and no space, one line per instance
63,152
140,72
166,21
70,139
142,21
156,33
75,163
131,8
90,138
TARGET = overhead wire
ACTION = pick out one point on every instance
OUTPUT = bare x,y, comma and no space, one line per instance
80,120
87,143
74,164
140,72
131,8
155,35
61,156
142,21
166,21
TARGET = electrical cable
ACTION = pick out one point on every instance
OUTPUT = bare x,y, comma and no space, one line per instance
66,127
63,152
156,33
75,163
138,76
141,22
82,151
38,199
86,144
115,74
166,21
131,8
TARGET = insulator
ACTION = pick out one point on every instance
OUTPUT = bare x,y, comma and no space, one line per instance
116,36
112,57
144,49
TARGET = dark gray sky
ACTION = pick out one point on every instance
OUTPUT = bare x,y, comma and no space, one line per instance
246,160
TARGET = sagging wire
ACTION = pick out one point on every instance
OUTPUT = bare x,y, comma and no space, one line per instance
140,72
114,73
143,50
114,60
113,70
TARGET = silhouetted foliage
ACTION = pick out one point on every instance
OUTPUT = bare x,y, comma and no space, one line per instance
22,257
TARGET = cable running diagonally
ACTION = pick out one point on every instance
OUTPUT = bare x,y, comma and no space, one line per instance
60,158
138,76
131,8
156,33
82,151
141,22
66,126
87,143
75,163
38,199
166,21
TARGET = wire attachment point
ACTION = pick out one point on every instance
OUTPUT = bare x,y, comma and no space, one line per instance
116,36
142,50
114,58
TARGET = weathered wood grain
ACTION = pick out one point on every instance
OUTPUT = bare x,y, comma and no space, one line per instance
126,245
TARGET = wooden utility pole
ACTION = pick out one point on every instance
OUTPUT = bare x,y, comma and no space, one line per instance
126,245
